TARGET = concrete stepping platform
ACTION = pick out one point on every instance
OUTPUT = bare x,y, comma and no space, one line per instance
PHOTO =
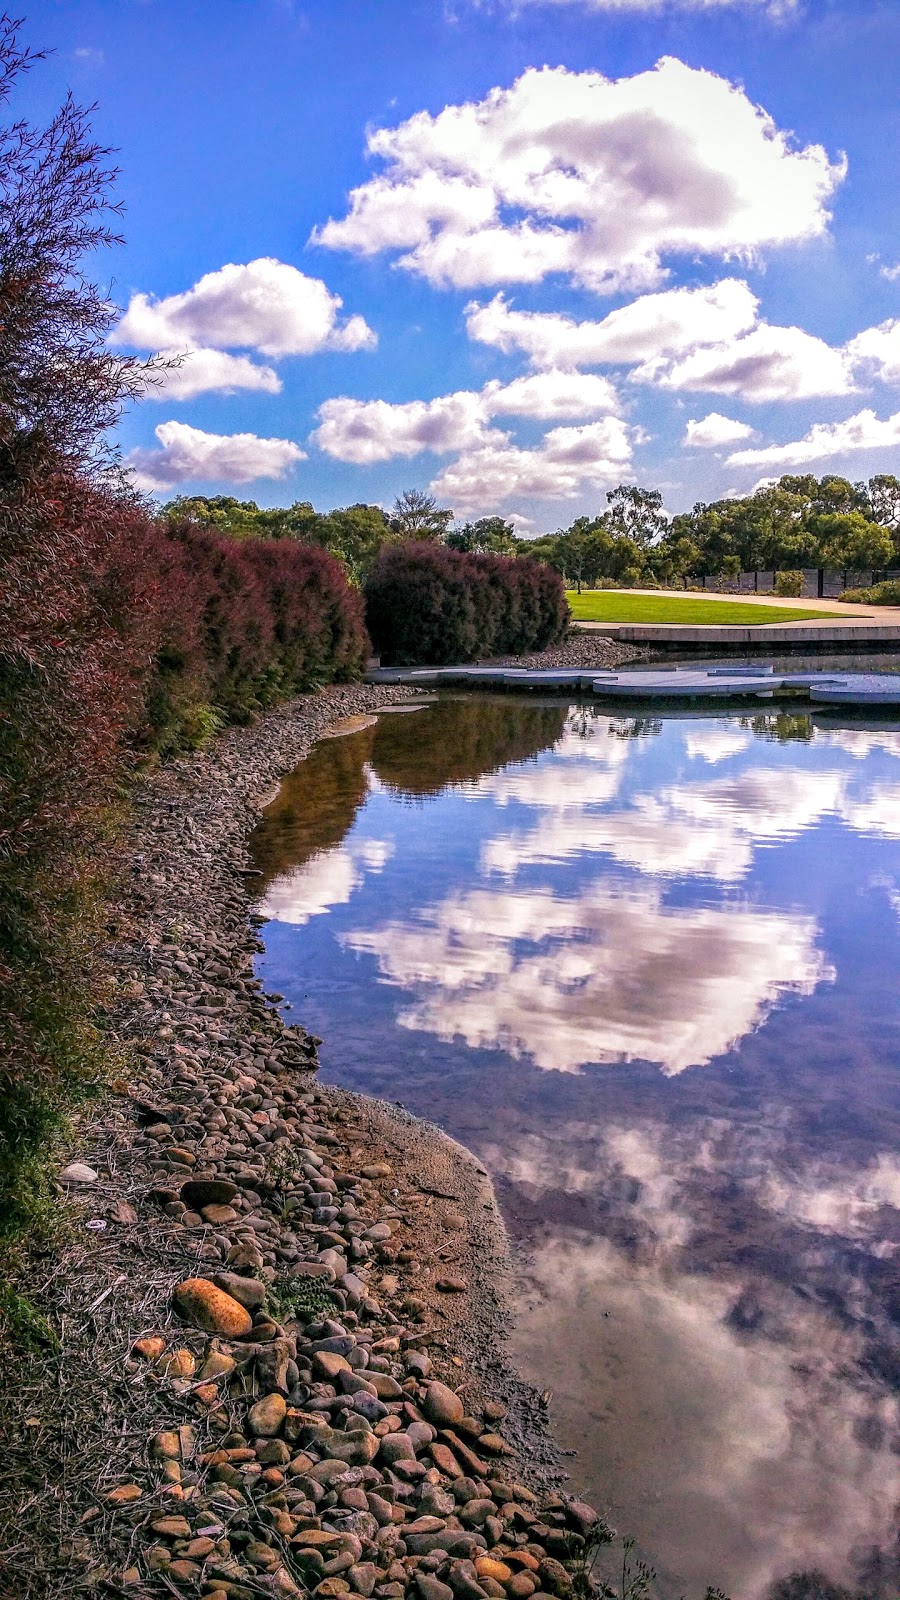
666,683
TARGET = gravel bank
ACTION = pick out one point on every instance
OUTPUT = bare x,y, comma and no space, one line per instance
580,649
281,1305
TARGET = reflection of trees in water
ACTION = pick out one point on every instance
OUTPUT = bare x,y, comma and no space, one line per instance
461,741
782,728
582,717
454,742
315,806
636,727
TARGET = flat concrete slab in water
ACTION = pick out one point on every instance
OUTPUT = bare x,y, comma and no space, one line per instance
666,683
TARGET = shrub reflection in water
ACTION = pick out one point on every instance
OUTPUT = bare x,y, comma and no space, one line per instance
645,969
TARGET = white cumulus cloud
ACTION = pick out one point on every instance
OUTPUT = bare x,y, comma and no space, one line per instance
364,431
200,371
499,970
699,340
769,363
188,454
327,880
600,179
875,353
826,440
566,461
655,325
715,744
552,394
263,305
714,430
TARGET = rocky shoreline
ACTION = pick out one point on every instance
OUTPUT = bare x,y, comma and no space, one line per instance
580,648
280,1305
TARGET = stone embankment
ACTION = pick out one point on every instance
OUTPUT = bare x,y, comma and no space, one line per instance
580,648
280,1306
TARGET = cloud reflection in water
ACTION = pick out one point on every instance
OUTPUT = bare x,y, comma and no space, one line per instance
324,881
610,975
715,894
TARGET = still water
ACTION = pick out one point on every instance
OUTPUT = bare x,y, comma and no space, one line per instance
647,969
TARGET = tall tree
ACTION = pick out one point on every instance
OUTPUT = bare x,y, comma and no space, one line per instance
636,513
354,534
416,515
491,534
884,501
61,387
242,519
848,541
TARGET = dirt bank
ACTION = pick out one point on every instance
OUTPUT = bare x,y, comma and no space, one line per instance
280,1306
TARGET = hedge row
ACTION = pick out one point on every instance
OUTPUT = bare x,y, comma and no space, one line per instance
120,638
242,625
427,605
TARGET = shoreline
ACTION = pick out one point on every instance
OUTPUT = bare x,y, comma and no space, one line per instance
122,1461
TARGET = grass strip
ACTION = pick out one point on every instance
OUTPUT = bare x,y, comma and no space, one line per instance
620,605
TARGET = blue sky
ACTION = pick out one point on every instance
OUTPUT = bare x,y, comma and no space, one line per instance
679,275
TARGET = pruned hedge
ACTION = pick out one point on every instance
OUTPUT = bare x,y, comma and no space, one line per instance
242,625
430,606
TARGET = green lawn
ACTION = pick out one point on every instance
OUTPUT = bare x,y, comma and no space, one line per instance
619,605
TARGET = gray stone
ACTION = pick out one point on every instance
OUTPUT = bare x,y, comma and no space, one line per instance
442,1406
386,1387
247,1292
397,1447
418,1363
463,1581
420,1434
475,1512
431,1588
78,1172
368,1406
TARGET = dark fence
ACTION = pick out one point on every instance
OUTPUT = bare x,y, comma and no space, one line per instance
818,583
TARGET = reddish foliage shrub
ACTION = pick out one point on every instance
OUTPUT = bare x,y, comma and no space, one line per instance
419,605
76,638
427,605
114,630
118,634
249,622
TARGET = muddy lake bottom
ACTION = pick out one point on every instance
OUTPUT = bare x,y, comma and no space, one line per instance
645,968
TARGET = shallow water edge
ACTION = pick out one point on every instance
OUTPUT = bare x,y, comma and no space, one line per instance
643,966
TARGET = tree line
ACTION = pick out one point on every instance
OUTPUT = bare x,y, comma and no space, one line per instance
799,522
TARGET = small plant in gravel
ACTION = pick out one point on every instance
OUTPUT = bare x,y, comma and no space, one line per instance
284,1167
635,1580
583,1553
300,1299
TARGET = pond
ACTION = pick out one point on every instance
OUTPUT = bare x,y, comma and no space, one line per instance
647,970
